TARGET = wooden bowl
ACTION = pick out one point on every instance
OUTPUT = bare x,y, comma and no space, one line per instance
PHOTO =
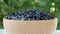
30,27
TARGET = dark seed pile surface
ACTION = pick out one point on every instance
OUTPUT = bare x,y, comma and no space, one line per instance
30,15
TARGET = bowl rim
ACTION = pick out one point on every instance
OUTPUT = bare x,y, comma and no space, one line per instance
31,20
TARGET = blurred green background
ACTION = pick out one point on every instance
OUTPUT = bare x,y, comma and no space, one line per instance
9,6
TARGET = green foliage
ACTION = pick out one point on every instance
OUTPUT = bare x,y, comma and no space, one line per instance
26,4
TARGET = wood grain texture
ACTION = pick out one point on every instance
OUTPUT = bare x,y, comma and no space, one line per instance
30,27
